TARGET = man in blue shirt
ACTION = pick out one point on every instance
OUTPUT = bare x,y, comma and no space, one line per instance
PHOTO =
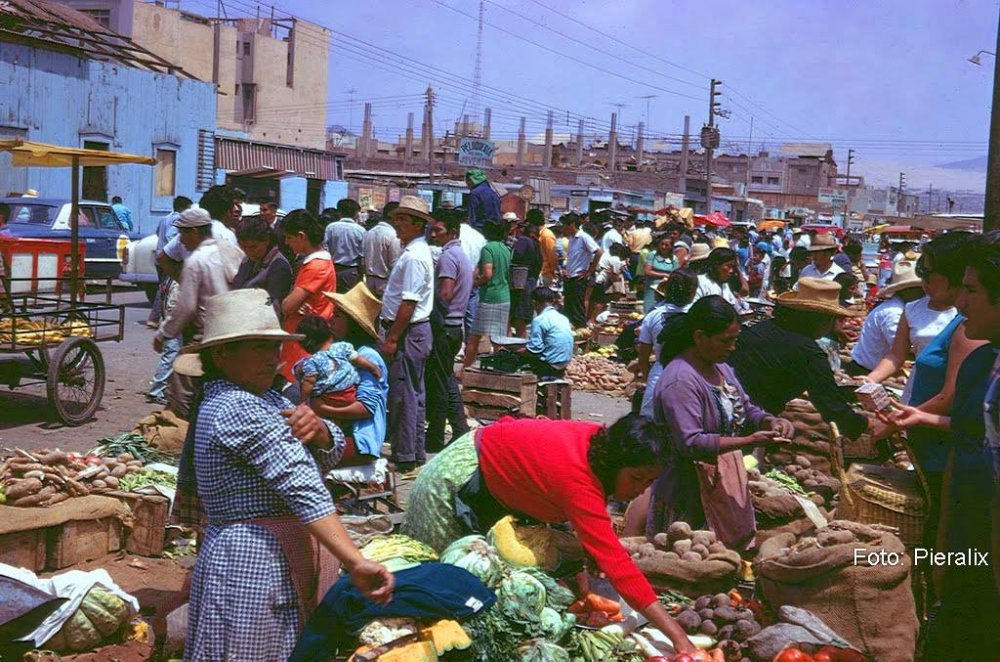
344,239
123,213
550,338
165,231
484,202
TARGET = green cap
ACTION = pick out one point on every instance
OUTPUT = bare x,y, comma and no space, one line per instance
476,176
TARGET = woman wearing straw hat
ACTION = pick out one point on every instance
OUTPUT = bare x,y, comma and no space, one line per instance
264,559
354,319
778,359
879,329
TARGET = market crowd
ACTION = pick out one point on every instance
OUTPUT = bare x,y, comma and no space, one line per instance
292,341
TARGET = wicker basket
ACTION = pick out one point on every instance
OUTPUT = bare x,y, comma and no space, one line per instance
877,494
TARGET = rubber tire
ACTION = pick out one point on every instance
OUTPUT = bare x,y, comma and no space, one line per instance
60,355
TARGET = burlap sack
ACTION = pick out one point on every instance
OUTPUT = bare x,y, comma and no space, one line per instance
163,430
869,604
796,527
693,578
812,437
776,508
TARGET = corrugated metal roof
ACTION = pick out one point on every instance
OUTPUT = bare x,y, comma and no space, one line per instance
244,155
54,26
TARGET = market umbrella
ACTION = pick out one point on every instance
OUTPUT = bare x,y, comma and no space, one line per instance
715,219
28,154
771,224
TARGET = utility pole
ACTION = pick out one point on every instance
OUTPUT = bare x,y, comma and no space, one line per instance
710,140
850,162
350,109
685,154
487,120
408,143
639,146
429,113
930,194
613,143
991,212
521,139
547,153
648,98
899,194
366,134
579,144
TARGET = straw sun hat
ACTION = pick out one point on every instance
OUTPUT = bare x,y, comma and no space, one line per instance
904,275
699,251
816,295
823,242
412,205
360,305
229,317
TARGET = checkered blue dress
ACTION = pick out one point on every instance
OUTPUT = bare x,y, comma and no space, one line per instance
243,603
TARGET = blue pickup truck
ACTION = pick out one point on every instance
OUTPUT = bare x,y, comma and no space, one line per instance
48,218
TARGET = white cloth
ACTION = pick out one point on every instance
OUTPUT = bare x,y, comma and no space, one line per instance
411,279
877,333
811,271
175,250
609,269
373,474
381,249
472,241
580,253
208,271
708,287
803,241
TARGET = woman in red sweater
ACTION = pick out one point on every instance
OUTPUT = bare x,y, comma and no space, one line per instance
551,471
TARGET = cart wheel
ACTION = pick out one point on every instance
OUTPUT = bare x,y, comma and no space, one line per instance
75,381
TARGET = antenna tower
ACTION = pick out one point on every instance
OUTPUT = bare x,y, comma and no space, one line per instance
477,73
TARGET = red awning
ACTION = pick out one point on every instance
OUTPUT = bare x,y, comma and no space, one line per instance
716,220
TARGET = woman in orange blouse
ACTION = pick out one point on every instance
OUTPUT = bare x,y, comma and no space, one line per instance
304,235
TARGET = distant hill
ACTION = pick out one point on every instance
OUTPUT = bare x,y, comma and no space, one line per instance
977,164
951,177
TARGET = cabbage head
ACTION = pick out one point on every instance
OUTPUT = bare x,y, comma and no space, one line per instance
521,597
474,554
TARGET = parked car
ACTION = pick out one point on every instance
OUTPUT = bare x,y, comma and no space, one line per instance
138,260
103,234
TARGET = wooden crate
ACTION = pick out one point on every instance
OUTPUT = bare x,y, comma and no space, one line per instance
604,338
558,399
489,395
146,536
82,540
24,549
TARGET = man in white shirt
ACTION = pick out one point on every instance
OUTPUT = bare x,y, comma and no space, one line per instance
613,235
344,240
582,257
821,250
381,249
220,203
405,321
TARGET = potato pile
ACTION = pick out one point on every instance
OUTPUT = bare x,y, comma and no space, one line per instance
680,542
45,478
717,617
839,532
595,373
812,480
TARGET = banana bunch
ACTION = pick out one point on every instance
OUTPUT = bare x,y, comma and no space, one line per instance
19,331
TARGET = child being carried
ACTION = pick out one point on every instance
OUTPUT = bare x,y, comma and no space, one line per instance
330,373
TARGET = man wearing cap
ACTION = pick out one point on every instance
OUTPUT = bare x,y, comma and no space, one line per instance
613,235
484,202
381,249
405,320
453,286
879,329
209,269
344,240
582,256
513,229
778,359
821,250
220,203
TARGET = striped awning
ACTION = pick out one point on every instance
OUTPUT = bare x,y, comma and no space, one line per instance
237,155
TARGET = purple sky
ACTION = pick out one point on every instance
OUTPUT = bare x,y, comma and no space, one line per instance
889,78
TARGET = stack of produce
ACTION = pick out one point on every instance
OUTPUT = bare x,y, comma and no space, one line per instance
24,331
595,373
45,478
693,562
723,617
812,438
851,576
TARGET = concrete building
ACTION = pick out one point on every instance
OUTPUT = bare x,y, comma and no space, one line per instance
270,73
72,82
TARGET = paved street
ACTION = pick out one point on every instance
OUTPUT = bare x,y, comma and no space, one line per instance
27,421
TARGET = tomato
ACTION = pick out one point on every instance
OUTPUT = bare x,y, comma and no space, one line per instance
823,657
793,655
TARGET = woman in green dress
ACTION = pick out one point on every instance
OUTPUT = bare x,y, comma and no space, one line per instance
658,265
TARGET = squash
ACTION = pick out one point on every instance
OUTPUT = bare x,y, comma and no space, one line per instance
106,622
447,636
524,546
81,635
418,651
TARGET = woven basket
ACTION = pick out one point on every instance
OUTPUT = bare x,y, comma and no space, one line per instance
876,494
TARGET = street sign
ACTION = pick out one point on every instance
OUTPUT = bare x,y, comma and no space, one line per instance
475,152
833,197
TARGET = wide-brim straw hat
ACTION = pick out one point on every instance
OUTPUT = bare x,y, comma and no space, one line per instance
360,305
699,251
720,242
904,275
822,242
412,205
816,295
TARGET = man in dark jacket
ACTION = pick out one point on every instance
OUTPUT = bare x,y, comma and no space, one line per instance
484,203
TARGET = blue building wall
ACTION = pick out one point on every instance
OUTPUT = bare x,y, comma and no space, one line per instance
333,192
65,100
293,192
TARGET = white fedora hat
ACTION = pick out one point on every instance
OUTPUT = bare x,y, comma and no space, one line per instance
240,315
904,275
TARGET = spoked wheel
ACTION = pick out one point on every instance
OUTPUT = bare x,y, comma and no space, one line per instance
75,383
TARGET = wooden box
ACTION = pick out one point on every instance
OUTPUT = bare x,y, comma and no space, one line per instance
146,536
558,399
82,540
24,549
603,338
489,395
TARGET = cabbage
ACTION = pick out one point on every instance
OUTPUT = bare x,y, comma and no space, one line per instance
539,650
554,626
521,597
557,596
474,554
